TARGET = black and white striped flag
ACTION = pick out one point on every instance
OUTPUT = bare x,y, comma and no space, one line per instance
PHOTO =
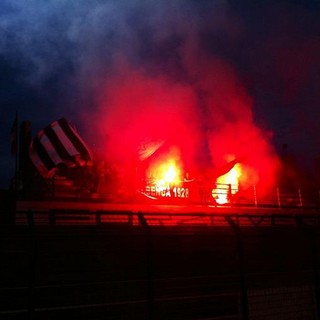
57,143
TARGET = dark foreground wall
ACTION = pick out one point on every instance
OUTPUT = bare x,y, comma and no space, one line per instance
131,272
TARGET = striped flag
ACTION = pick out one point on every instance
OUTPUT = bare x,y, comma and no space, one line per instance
56,144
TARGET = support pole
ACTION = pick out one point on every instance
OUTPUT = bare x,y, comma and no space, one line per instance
278,198
149,260
300,198
310,234
32,265
255,196
243,285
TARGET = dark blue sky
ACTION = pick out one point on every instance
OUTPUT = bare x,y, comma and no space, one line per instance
55,57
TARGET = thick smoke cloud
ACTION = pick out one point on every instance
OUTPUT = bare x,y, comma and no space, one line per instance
202,74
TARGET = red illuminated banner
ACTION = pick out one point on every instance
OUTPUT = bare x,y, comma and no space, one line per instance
167,191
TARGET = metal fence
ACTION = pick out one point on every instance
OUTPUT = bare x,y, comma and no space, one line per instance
152,265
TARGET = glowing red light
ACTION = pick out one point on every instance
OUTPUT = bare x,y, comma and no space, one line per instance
227,185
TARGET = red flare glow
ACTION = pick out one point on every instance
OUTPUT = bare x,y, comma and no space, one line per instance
166,172
136,107
227,185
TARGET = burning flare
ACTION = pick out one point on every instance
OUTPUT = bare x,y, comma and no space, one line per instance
165,174
227,185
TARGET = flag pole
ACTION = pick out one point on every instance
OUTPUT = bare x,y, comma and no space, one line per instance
14,149
18,146
15,141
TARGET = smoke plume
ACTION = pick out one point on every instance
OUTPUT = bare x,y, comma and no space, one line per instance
186,72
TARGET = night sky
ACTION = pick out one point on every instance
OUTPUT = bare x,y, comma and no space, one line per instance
204,67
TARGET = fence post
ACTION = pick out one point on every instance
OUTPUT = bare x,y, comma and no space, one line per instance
255,196
52,217
311,235
32,265
243,284
149,257
30,219
98,218
230,194
300,197
278,197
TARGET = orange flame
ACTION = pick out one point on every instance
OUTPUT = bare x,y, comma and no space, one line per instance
165,173
227,185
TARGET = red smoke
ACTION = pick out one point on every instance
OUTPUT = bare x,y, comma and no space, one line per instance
137,108
213,111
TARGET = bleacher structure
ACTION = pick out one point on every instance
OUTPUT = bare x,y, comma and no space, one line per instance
92,259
